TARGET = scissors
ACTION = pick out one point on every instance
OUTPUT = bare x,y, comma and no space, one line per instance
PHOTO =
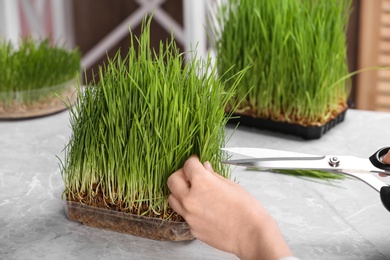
360,168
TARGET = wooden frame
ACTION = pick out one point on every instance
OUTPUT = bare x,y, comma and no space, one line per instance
373,85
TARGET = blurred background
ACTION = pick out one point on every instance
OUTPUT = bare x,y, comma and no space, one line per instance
101,27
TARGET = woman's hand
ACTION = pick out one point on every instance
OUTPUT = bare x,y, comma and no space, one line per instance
224,215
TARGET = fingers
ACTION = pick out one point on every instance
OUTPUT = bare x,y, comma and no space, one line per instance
386,158
179,186
192,167
176,205
178,183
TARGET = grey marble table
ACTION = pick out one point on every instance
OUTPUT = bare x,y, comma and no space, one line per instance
320,220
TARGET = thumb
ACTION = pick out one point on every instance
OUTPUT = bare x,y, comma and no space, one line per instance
386,158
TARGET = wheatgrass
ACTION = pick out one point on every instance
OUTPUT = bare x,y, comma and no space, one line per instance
297,53
33,66
148,113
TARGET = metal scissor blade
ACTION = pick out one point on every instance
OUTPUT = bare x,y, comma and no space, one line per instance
349,165
326,163
369,179
273,159
264,153
308,163
285,160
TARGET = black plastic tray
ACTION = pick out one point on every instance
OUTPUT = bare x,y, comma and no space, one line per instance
306,132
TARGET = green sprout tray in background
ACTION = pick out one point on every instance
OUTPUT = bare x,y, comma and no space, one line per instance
297,54
36,78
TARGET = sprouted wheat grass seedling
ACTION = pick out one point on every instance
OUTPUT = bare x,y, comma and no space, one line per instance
297,53
148,113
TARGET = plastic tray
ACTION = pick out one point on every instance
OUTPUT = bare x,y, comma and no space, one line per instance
38,102
152,228
306,132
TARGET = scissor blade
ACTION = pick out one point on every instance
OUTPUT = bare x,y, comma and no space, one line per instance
264,153
326,163
277,159
268,159
312,163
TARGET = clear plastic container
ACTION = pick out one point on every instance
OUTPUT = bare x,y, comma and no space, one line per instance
152,228
39,102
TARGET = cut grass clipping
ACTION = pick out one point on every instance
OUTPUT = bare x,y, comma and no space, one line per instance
148,113
31,67
297,53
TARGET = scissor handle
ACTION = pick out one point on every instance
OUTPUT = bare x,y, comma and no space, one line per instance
375,159
385,196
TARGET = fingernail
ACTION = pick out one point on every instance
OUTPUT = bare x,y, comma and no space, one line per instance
208,166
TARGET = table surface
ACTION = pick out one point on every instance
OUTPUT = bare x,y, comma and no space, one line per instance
320,220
